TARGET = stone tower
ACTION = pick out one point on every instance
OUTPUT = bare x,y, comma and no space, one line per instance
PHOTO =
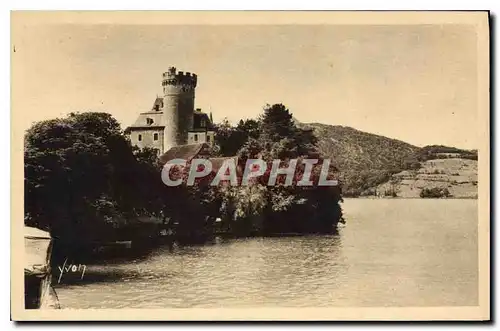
178,106
173,120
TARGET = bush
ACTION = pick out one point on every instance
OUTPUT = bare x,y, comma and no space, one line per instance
435,192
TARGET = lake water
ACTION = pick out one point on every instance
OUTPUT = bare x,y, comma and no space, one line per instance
390,253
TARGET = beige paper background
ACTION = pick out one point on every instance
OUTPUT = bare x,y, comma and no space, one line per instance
478,19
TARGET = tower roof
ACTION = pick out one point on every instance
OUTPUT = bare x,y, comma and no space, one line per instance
150,119
198,116
158,104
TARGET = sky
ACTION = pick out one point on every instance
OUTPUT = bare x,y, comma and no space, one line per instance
416,83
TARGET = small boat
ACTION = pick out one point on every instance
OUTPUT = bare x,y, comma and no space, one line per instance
38,290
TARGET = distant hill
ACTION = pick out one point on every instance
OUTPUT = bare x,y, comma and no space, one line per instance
455,176
368,162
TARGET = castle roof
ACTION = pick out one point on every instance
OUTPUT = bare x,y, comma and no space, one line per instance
151,119
154,118
158,104
198,116
217,162
185,152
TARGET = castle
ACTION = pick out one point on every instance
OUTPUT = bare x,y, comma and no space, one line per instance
173,120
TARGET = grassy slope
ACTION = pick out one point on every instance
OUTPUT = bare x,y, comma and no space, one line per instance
367,160
457,175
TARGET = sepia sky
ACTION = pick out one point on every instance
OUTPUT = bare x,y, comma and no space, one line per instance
417,83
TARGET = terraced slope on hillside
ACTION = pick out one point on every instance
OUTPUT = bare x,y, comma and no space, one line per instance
367,161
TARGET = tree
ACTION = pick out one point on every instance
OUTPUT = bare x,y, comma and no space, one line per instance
280,136
281,208
230,139
277,123
224,138
82,178
66,171
250,129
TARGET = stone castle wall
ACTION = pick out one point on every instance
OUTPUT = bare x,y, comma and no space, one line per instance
178,106
147,138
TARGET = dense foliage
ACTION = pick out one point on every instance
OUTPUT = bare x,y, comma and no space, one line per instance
77,172
435,192
264,209
85,183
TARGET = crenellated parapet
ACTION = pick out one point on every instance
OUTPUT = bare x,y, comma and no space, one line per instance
172,118
179,78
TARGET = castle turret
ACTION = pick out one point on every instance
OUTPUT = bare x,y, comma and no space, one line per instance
173,120
178,106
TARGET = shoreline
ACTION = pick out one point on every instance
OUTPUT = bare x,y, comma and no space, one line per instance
372,197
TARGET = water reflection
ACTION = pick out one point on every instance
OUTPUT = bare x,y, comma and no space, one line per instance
402,253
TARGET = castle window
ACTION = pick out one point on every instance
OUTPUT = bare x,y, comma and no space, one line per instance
155,136
202,123
208,138
139,137
149,121
195,137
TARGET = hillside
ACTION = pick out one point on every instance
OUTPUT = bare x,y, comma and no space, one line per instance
456,175
371,164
